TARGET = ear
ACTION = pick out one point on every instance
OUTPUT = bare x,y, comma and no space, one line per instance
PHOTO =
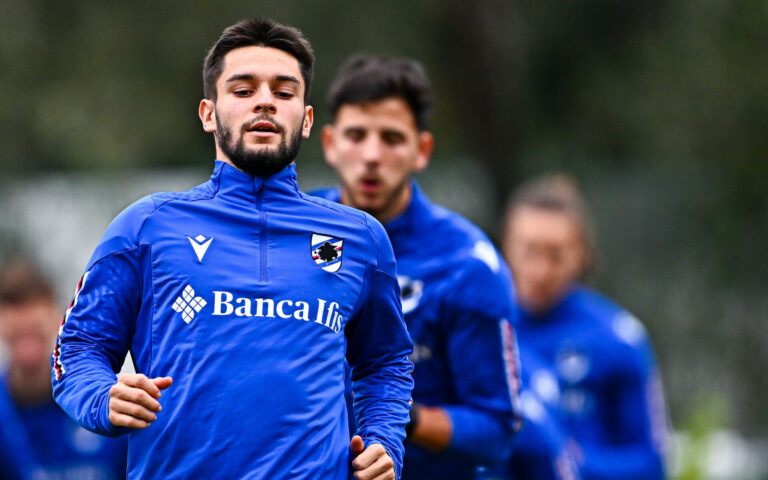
327,140
309,118
426,144
207,113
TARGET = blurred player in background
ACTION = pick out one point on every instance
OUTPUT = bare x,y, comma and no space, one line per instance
47,443
455,289
611,395
240,299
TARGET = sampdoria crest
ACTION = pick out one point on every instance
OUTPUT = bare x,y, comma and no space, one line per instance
326,252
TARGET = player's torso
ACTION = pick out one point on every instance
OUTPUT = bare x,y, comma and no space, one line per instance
582,352
245,307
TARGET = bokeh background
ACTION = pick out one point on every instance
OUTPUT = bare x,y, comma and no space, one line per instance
658,108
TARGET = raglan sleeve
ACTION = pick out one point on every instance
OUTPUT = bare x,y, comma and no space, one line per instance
637,420
378,351
97,329
483,360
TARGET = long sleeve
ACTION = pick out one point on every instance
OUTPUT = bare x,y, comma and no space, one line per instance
484,365
95,334
378,350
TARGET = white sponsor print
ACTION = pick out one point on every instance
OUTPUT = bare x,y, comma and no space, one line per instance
187,304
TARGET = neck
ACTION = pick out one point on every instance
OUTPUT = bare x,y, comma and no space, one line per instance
395,206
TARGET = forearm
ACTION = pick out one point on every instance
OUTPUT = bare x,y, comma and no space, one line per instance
83,394
463,430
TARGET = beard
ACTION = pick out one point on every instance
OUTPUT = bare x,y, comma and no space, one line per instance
258,163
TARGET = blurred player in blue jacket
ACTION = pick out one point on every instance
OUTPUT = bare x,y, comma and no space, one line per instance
37,439
611,396
456,291
240,300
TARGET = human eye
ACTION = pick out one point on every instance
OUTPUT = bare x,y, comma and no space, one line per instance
392,137
354,134
242,92
284,95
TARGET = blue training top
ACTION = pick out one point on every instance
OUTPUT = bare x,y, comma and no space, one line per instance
540,450
250,294
40,442
612,401
458,309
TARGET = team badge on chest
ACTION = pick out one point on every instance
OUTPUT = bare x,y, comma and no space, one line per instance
326,252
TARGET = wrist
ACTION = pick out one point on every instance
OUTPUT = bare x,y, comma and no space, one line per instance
413,419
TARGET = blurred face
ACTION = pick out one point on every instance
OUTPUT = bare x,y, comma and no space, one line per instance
375,148
29,329
546,252
259,116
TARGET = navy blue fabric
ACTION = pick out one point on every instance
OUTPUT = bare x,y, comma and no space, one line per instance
254,335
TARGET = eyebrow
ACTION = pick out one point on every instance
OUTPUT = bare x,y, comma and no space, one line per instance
249,76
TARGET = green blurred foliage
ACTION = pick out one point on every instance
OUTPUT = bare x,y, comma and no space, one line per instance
659,108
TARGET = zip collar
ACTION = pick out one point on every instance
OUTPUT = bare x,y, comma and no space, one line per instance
240,187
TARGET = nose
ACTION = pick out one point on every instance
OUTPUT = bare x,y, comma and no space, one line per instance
371,149
264,101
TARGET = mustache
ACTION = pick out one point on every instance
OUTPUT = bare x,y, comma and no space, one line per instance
263,118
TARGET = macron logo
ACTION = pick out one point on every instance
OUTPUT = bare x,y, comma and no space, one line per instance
200,245
187,304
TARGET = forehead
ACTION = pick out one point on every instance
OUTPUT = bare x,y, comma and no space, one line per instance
260,62
542,225
389,113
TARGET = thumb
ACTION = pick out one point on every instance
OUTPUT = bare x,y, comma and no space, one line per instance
356,445
162,382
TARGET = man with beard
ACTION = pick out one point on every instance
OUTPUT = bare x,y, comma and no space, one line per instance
239,301
456,291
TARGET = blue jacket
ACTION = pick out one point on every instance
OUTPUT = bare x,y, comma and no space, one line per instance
42,442
611,396
540,450
457,305
248,293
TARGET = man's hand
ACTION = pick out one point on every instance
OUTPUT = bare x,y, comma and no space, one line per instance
371,463
133,400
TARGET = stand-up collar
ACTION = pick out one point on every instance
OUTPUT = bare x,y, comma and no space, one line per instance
415,213
239,186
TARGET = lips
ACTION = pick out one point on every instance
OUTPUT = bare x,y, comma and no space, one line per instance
369,185
263,126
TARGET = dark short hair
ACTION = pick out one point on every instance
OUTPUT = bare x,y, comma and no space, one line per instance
258,32
557,193
366,79
22,282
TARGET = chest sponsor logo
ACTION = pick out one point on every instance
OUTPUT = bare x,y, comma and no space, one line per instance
187,304
327,251
200,245
323,312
